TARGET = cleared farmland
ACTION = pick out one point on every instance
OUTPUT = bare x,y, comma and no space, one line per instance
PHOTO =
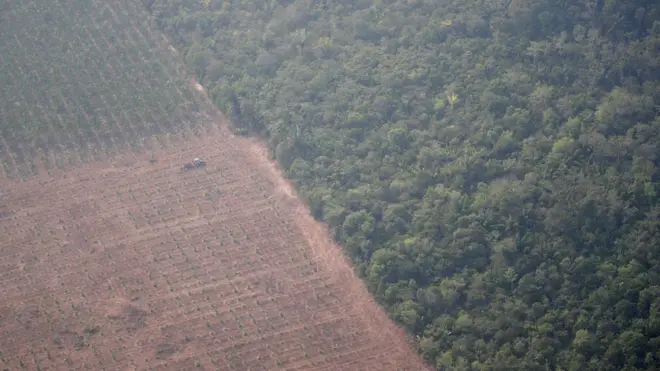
112,258
135,264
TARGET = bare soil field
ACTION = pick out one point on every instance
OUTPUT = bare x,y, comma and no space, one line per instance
130,263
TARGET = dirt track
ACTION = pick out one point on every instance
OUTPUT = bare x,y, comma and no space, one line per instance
126,264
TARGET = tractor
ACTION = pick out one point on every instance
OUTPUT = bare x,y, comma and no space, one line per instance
194,164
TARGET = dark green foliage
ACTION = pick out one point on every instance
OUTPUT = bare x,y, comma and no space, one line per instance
490,166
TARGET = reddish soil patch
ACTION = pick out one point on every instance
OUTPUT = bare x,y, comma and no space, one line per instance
128,263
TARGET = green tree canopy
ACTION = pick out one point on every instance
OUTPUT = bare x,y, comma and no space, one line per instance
490,166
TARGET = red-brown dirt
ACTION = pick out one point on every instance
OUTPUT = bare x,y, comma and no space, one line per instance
127,263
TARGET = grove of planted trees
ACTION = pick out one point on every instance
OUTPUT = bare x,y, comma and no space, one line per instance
87,78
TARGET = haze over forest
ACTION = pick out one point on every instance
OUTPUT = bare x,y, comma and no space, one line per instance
491,167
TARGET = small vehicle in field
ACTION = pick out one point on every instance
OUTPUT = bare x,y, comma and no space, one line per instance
194,164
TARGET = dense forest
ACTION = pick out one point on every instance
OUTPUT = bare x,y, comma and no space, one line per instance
491,166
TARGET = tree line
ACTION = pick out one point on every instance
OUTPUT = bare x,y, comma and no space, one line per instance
491,167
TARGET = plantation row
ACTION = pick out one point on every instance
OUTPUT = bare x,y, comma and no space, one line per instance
85,75
256,297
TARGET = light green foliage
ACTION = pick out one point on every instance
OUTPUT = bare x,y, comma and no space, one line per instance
490,166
